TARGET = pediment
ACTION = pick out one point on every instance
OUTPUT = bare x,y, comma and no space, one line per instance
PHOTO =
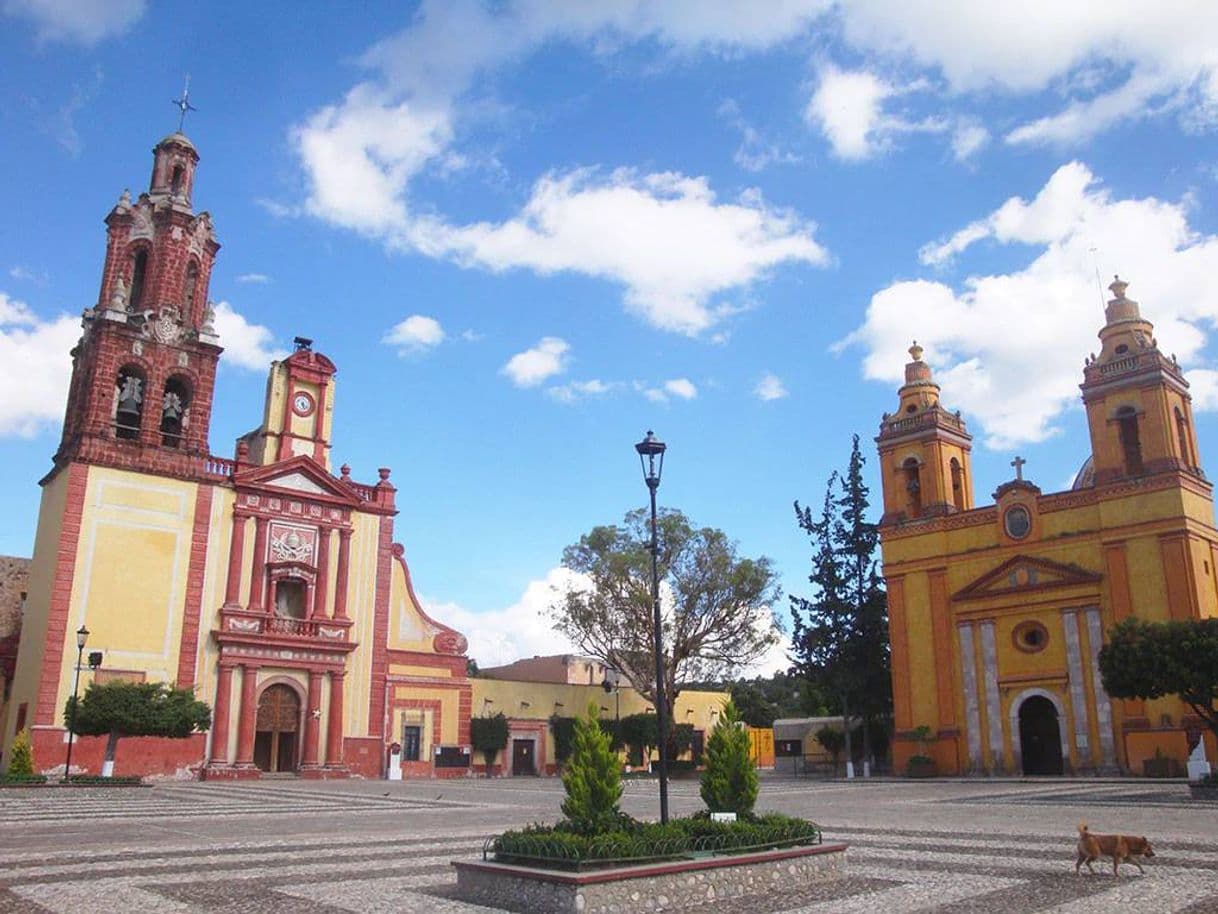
1023,572
299,474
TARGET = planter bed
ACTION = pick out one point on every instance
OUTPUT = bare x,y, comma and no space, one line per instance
671,885
1204,792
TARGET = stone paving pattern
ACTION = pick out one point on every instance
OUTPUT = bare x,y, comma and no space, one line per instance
307,847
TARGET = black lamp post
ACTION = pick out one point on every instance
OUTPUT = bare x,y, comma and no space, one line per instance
82,635
651,457
616,688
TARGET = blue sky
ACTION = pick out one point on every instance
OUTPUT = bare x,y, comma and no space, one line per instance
527,232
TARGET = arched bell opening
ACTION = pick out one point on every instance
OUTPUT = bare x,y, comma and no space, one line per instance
175,411
129,395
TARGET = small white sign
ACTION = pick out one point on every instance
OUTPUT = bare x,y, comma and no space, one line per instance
723,817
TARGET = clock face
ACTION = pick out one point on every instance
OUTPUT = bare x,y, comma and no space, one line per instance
302,404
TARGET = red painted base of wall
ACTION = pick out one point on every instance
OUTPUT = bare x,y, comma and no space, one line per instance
363,756
450,773
143,756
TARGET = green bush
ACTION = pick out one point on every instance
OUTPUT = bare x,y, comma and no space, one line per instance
563,846
22,762
97,780
592,778
11,779
488,735
832,740
729,783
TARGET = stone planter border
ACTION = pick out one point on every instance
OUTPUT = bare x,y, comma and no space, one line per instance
1206,792
667,886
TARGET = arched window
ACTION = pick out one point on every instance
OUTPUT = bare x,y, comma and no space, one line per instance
175,183
175,403
1131,446
188,290
128,402
913,487
139,268
1186,450
957,484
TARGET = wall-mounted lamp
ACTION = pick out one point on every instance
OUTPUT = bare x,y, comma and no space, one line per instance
689,711
525,704
95,659
605,709
559,704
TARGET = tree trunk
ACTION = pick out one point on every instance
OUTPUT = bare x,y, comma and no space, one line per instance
111,746
849,743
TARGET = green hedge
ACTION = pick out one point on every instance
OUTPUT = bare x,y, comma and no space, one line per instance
96,780
561,846
17,780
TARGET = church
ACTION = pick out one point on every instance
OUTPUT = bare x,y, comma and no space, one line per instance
997,613
268,584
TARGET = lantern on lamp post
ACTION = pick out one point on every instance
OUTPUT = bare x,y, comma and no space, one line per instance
82,636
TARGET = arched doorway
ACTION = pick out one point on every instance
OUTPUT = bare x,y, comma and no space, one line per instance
1040,742
277,729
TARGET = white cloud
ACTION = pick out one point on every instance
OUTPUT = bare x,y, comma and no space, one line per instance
471,336
1113,61
34,366
246,345
24,274
523,629
755,152
665,237
682,388
1008,348
847,107
531,367
968,139
415,334
580,390
256,278
83,22
770,387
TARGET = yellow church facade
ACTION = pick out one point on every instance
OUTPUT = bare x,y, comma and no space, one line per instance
997,612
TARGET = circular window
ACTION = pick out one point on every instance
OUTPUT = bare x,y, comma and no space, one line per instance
1122,349
1017,522
1030,637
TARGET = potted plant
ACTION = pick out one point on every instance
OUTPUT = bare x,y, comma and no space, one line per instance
1161,766
921,765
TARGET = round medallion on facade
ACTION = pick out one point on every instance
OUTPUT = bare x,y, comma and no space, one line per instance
1017,522
302,403
1030,637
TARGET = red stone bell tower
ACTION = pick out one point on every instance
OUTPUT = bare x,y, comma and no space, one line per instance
144,371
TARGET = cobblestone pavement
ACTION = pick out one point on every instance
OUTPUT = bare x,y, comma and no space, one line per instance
309,848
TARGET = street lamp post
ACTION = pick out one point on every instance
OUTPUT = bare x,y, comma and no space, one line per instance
616,688
82,635
651,457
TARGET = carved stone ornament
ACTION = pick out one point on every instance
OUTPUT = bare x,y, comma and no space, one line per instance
166,327
209,319
137,347
449,642
201,235
141,221
244,625
292,547
118,297
327,632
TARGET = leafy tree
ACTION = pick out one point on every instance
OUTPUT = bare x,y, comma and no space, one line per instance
717,605
729,783
592,778
471,668
118,709
641,733
841,633
489,735
22,762
832,740
1152,659
755,709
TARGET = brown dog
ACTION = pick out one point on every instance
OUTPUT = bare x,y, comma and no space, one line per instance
1121,848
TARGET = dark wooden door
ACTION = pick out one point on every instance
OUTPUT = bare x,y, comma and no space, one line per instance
276,727
1040,742
522,757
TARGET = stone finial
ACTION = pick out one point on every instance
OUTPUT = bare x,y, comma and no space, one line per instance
209,319
383,472
915,351
118,296
345,470
124,199
1117,288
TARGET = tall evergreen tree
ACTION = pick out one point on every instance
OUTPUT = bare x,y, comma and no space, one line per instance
841,632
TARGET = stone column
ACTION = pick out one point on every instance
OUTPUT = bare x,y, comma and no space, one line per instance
236,553
340,576
258,581
249,716
334,725
320,589
1078,694
972,707
1103,708
219,726
312,723
993,709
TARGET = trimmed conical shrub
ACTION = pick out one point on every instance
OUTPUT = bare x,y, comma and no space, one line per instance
21,764
592,778
729,783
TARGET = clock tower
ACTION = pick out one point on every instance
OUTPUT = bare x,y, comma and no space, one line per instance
299,409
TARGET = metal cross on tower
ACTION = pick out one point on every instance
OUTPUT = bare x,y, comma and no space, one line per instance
1018,463
183,104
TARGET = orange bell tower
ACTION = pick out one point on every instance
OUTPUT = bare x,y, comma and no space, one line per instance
925,450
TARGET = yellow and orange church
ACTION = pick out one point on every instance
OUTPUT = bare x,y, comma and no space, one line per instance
997,613
268,584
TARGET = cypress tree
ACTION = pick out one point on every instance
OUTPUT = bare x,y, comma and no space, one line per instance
729,783
592,778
